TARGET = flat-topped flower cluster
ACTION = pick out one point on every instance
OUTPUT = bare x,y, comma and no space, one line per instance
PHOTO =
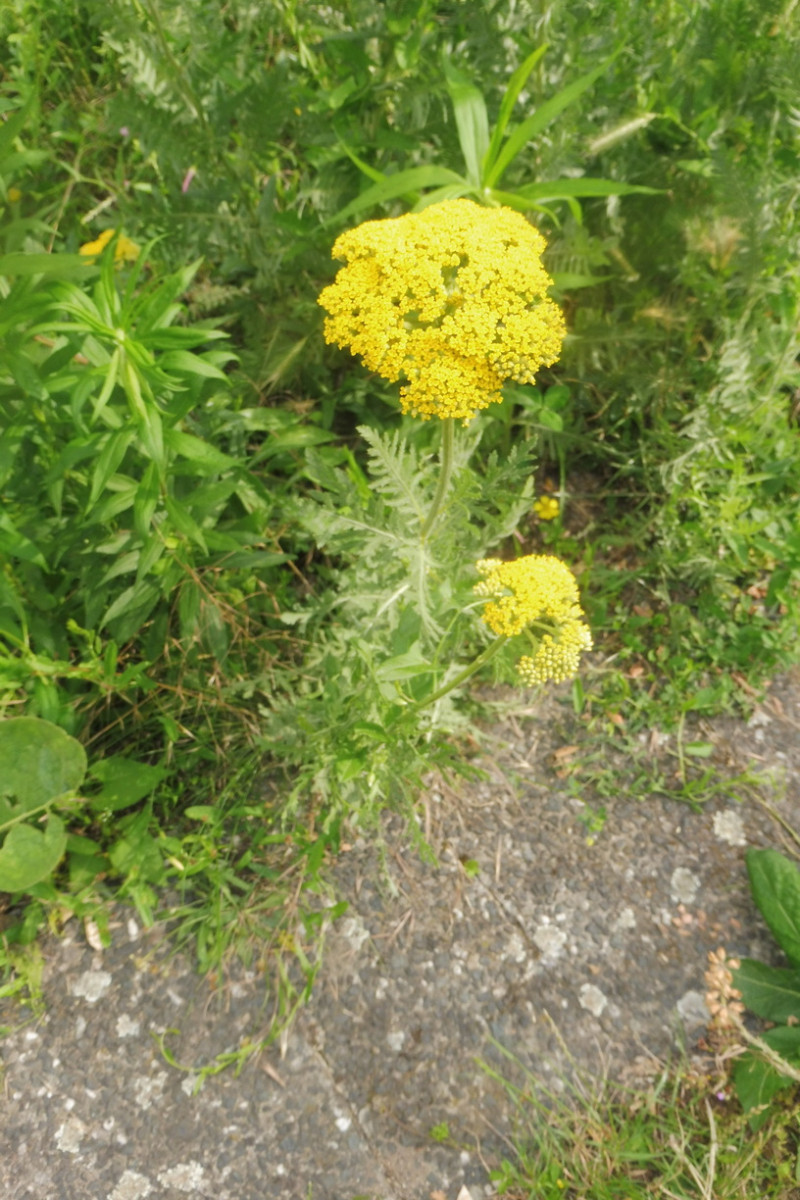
536,591
451,300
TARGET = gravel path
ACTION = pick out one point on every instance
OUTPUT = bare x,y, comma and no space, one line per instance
523,937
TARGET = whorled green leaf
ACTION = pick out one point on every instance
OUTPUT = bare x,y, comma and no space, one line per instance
401,184
583,188
515,85
29,855
775,883
472,121
539,120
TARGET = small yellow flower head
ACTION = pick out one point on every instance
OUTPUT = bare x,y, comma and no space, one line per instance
546,508
537,589
125,250
452,300
14,195
556,658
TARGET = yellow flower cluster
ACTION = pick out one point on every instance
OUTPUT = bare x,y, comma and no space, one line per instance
536,589
452,299
125,250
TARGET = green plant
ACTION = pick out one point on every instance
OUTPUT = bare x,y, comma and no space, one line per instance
488,157
771,1062
676,1135
41,768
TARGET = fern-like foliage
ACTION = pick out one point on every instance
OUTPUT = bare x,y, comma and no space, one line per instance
395,472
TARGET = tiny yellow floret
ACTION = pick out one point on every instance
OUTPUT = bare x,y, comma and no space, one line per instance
536,591
14,195
451,300
546,508
125,249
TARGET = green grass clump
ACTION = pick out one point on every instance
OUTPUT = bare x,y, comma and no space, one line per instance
680,1136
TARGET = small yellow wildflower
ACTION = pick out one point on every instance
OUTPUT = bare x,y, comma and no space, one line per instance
125,250
537,589
452,299
546,508
14,195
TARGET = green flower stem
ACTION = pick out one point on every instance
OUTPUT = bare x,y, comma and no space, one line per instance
487,655
445,471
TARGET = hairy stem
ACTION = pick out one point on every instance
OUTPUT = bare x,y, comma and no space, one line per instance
487,655
445,471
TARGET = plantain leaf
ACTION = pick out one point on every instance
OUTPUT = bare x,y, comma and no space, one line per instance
770,992
775,883
39,763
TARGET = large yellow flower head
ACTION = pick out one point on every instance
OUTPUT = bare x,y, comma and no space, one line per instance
536,590
452,299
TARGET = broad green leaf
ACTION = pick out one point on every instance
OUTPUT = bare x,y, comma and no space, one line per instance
451,191
775,882
550,420
146,500
130,610
770,992
756,1083
472,122
196,450
371,172
189,599
13,125
39,762
56,266
515,85
124,782
190,364
151,552
213,630
519,202
29,855
200,812
403,666
108,460
254,559
401,184
108,384
583,186
185,523
17,545
151,437
567,281
540,119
